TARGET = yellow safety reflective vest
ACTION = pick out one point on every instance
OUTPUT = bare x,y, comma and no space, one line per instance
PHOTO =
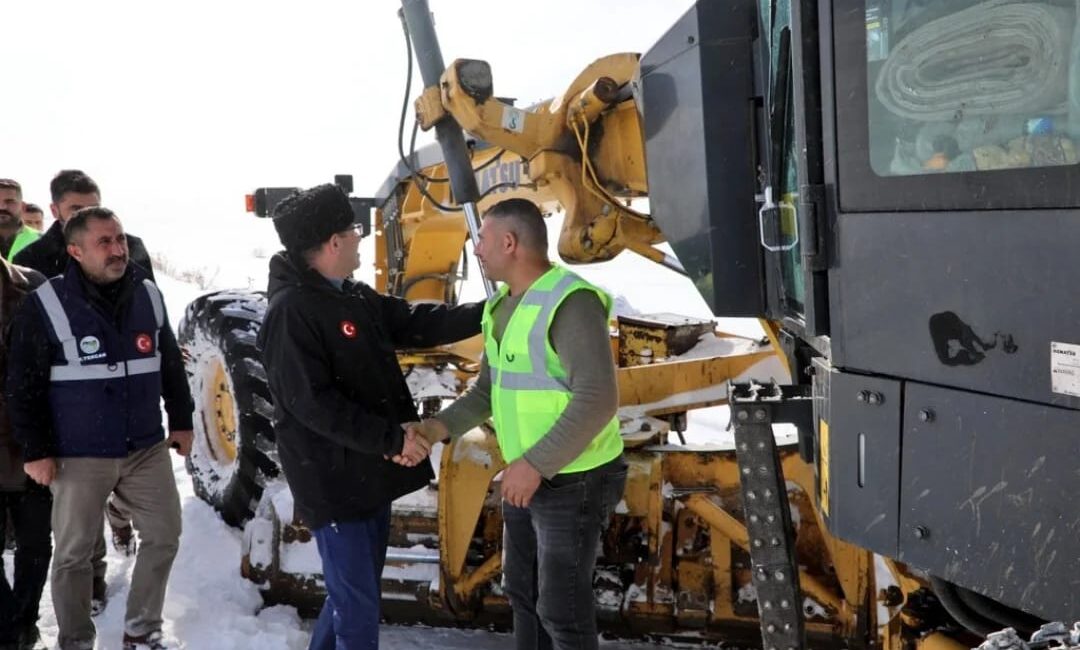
529,388
24,238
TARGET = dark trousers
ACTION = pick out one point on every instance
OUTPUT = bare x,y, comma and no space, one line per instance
549,553
29,513
353,554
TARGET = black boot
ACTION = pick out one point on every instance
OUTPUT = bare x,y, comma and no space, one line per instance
30,638
151,641
99,597
123,540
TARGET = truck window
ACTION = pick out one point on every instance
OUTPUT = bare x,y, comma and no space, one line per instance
793,287
966,86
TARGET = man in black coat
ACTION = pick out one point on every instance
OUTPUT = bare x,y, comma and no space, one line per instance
328,345
24,505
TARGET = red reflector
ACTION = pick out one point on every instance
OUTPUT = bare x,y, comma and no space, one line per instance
249,202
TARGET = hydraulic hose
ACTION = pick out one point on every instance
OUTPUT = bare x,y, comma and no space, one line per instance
961,613
1002,615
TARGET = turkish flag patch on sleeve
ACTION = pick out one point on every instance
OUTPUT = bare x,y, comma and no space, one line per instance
348,329
144,344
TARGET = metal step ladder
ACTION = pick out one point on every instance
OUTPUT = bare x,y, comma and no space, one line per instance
754,409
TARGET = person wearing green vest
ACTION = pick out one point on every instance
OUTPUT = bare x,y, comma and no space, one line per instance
23,238
14,236
547,380
33,217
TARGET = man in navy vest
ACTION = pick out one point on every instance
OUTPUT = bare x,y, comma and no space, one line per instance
92,355
72,190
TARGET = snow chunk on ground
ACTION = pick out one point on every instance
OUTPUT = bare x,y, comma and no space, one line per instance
427,383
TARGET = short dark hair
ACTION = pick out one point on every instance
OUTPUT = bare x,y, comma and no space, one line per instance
72,180
9,184
80,221
528,222
32,207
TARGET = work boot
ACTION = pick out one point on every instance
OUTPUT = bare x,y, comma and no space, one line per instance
29,638
123,540
152,641
99,597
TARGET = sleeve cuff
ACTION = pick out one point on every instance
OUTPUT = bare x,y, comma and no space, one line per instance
180,421
395,441
547,472
459,418
37,452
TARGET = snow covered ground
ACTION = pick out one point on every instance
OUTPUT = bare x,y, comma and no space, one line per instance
211,607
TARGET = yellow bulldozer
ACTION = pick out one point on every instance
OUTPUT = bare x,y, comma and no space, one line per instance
882,184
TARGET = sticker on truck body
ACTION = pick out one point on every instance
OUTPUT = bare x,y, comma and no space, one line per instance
1065,368
513,119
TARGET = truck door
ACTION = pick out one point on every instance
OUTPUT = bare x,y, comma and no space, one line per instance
957,130
731,122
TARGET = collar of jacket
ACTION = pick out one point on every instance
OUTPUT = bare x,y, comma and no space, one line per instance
75,282
13,276
55,234
14,285
284,271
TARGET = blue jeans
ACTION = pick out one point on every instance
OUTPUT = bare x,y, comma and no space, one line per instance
353,554
549,553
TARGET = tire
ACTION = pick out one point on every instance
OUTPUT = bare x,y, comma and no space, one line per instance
234,455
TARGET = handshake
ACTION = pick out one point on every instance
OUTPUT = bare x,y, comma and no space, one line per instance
419,438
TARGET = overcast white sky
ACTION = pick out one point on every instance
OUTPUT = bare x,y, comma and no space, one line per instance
179,109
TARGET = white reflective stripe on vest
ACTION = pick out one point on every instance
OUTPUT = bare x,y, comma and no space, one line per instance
538,379
159,309
155,301
54,311
74,371
100,371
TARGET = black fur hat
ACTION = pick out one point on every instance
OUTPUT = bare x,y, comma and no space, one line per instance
306,219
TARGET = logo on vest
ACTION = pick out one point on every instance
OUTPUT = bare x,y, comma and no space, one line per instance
89,344
348,329
144,344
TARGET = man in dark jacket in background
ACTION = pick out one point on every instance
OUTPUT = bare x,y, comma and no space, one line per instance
328,344
72,190
23,502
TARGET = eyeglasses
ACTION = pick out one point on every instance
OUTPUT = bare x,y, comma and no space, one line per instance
357,229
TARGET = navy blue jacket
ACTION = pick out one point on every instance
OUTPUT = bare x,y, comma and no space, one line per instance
89,365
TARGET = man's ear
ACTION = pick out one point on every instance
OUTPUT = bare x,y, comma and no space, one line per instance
75,252
55,211
510,242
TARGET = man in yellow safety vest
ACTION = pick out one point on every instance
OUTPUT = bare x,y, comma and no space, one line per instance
547,380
